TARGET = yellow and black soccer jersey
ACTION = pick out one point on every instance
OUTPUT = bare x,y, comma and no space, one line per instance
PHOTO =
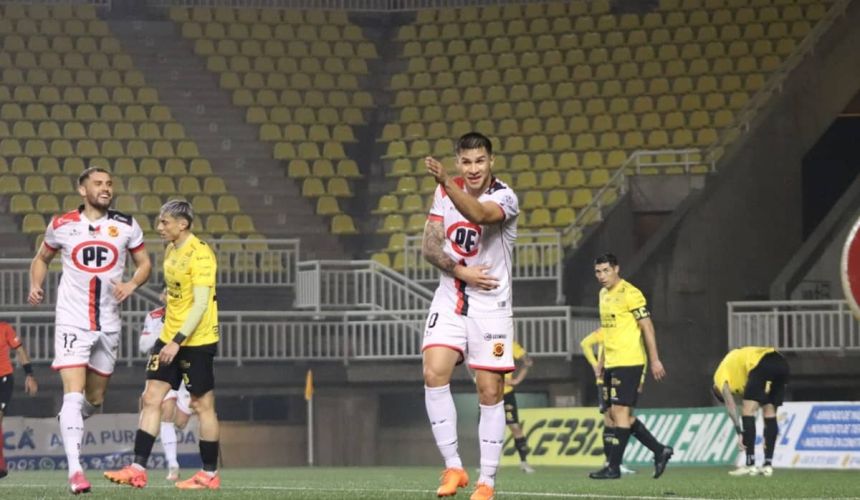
621,308
519,353
735,368
193,264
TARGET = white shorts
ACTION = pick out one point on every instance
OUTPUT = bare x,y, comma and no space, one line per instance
485,343
75,347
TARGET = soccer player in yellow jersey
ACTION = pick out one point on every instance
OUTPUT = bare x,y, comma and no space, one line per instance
626,323
512,414
185,351
592,340
756,375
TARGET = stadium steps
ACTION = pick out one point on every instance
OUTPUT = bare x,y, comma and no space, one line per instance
15,243
219,129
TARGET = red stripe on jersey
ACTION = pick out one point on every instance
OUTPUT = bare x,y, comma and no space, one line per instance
98,372
462,307
63,367
94,305
499,369
137,248
49,247
435,218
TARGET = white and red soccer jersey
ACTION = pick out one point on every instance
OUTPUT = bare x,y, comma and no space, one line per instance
152,326
471,245
94,254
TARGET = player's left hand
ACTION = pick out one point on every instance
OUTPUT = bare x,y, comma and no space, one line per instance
741,443
31,387
168,352
436,169
122,291
528,362
657,370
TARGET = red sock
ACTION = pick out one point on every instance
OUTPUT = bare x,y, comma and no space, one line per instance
2,443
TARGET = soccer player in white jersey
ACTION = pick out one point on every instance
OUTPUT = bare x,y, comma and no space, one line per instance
94,242
469,237
175,408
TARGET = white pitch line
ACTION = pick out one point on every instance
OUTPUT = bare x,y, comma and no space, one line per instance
403,490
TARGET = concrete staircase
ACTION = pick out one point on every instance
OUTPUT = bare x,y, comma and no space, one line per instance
222,136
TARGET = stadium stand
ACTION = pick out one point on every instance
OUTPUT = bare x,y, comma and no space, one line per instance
569,90
71,98
297,74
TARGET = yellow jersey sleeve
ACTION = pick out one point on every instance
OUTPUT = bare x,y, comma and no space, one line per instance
588,343
203,267
636,302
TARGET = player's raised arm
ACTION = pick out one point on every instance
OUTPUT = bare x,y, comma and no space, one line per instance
38,272
488,212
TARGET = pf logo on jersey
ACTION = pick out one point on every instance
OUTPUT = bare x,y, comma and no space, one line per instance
95,256
465,238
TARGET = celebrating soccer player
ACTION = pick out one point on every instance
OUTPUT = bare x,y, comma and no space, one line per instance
756,375
469,237
94,242
625,322
184,351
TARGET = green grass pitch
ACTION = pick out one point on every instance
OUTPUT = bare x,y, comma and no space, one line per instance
420,483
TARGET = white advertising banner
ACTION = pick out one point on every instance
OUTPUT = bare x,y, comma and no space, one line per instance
36,443
822,435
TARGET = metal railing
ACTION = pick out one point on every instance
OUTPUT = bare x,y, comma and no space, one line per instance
354,5
323,336
15,286
539,260
661,159
745,116
358,284
270,262
794,325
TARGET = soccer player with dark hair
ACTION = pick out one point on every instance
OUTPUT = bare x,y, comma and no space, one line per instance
8,341
469,237
757,376
185,350
94,243
626,323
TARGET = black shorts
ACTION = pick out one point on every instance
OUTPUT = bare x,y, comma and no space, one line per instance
7,383
512,413
623,384
193,365
602,397
766,382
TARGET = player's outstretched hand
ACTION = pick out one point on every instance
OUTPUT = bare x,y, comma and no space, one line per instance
436,169
657,370
36,295
122,291
477,276
31,387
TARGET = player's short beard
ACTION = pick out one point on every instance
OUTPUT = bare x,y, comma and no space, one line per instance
96,203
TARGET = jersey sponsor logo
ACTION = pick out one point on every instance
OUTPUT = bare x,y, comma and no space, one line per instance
490,336
119,217
113,231
850,269
465,238
95,256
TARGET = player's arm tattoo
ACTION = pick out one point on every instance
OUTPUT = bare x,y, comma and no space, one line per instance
433,246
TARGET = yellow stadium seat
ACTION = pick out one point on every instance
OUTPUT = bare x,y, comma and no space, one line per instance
392,223
33,223
21,204
339,187
327,205
343,224
163,185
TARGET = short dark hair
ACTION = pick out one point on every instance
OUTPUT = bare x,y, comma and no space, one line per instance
606,258
87,172
473,140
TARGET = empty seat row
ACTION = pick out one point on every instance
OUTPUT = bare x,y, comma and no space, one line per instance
72,165
260,31
71,60
277,48
307,98
60,77
251,15
61,44
88,148
286,64
80,95
314,133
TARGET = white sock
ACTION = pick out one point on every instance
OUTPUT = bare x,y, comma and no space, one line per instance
72,429
491,434
88,409
443,421
168,442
